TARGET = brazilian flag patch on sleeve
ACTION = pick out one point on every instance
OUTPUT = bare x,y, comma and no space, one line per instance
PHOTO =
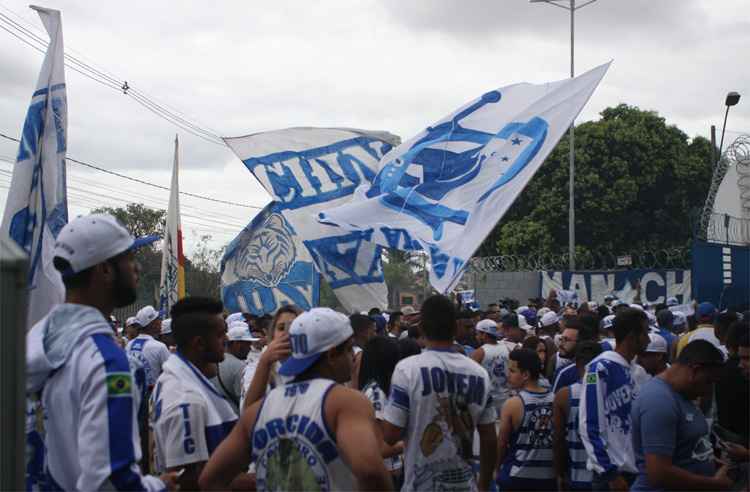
119,384
591,378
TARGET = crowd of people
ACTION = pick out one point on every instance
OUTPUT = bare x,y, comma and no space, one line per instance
544,396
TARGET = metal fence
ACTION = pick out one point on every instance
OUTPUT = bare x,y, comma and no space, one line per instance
669,258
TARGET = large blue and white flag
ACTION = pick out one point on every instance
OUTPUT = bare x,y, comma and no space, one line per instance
37,204
266,266
446,188
307,170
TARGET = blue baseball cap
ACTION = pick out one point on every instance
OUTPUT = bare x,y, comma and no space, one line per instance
313,333
706,310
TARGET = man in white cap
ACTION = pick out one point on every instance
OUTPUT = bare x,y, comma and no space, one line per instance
493,357
131,328
165,334
549,325
86,386
228,378
654,358
145,348
312,432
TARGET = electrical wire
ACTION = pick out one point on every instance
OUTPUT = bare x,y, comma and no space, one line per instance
161,110
147,183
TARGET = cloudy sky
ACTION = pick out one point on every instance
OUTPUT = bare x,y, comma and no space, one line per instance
243,67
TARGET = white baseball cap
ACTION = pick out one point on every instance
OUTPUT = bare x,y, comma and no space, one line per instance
146,315
487,326
407,310
672,301
657,344
522,323
166,326
234,317
131,321
607,321
239,331
550,318
679,318
92,239
312,333
710,337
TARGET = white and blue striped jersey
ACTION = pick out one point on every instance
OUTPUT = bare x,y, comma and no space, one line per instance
439,397
609,389
91,430
580,476
151,354
530,456
291,444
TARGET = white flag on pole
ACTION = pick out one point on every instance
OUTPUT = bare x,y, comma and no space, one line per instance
37,204
447,187
172,284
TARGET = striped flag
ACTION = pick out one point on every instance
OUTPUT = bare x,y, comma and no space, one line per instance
37,204
172,285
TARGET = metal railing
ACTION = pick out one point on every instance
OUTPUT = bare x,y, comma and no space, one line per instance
668,258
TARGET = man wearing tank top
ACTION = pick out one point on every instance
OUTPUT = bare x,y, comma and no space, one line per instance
311,433
493,356
438,398
525,441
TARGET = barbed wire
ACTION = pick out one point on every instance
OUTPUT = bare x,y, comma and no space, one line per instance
665,258
725,228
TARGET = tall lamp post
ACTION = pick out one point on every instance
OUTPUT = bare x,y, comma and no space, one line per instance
732,99
571,6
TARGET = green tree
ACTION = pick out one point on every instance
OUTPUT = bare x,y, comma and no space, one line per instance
639,184
202,275
403,272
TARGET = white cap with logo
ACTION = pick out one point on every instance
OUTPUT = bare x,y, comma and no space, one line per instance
657,344
131,321
487,326
92,239
239,331
166,326
313,333
146,315
234,317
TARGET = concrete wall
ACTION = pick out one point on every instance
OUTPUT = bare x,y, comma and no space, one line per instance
491,286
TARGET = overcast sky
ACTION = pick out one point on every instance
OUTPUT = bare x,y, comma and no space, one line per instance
396,65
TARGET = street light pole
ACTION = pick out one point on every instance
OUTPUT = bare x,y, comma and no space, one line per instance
572,7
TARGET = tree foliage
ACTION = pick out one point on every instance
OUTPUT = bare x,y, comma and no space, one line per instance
639,184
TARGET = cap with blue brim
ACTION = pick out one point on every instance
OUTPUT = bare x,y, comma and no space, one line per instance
312,334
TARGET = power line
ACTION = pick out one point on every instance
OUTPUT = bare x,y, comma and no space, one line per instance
147,183
173,116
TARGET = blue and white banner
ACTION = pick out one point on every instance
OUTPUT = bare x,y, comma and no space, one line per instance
309,169
655,286
267,266
37,204
452,183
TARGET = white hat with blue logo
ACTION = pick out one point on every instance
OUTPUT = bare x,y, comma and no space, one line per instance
313,333
607,322
487,326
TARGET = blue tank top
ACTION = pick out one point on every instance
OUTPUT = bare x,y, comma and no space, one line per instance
530,456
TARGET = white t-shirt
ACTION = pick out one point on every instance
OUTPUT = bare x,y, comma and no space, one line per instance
151,353
378,399
439,397
495,362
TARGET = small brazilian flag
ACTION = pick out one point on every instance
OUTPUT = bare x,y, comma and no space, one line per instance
591,378
119,384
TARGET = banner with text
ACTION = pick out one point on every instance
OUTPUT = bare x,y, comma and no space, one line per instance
655,286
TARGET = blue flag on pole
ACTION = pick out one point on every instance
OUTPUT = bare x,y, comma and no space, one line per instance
37,204
445,189
267,266
309,169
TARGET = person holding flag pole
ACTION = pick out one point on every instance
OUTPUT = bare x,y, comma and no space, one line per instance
172,285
